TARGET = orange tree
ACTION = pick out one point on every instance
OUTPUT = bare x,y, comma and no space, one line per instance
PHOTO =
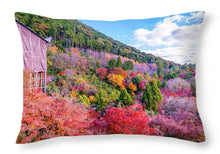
116,80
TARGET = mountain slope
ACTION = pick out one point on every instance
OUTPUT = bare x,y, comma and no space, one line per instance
72,33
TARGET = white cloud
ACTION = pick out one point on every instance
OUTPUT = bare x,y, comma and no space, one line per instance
169,34
180,55
196,16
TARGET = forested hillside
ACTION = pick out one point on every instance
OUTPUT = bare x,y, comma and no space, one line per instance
96,85
72,33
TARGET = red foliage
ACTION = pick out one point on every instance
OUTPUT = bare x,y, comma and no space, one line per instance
124,83
62,73
45,117
102,72
37,90
130,120
132,74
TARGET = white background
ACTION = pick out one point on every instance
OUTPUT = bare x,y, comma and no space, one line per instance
11,75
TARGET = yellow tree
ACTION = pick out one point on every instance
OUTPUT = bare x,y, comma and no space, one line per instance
116,80
132,87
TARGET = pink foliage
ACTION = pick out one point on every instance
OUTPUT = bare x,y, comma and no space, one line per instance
182,76
177,93
178,84
178,117
142,85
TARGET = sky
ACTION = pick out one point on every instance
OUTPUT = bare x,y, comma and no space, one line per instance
172,37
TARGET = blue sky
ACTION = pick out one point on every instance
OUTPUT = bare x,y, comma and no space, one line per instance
172,37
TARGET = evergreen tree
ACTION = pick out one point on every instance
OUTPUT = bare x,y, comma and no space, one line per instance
159,85
157,97
163,84
119,62
171,75
193,89
137,79
112,63
128,65
100,102
155,75
160,71
147,75
147,97
124,98
152,96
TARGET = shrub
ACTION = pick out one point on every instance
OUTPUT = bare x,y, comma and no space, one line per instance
178,117
118,71
130,120
112,63
132,88
137,79
100,102
101,72
45,117
85,100
171,75
124,98
128,65
116,80
178,83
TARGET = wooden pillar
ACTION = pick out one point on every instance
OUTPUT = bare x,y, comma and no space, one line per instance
45,86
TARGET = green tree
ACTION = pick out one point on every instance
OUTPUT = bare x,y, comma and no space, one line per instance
176,69
159,85
185,67
147,98
160,71
124,98
171,75
147,75
84,99
157,97
119,62
137,79
152,96
188,75
128,65
193,89
166,64
155,75
163,84
100,102
112,63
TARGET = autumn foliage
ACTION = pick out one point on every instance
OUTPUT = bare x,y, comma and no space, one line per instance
116,80
101,72
45,117
130,120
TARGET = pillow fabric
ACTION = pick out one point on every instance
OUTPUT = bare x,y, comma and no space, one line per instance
87,77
